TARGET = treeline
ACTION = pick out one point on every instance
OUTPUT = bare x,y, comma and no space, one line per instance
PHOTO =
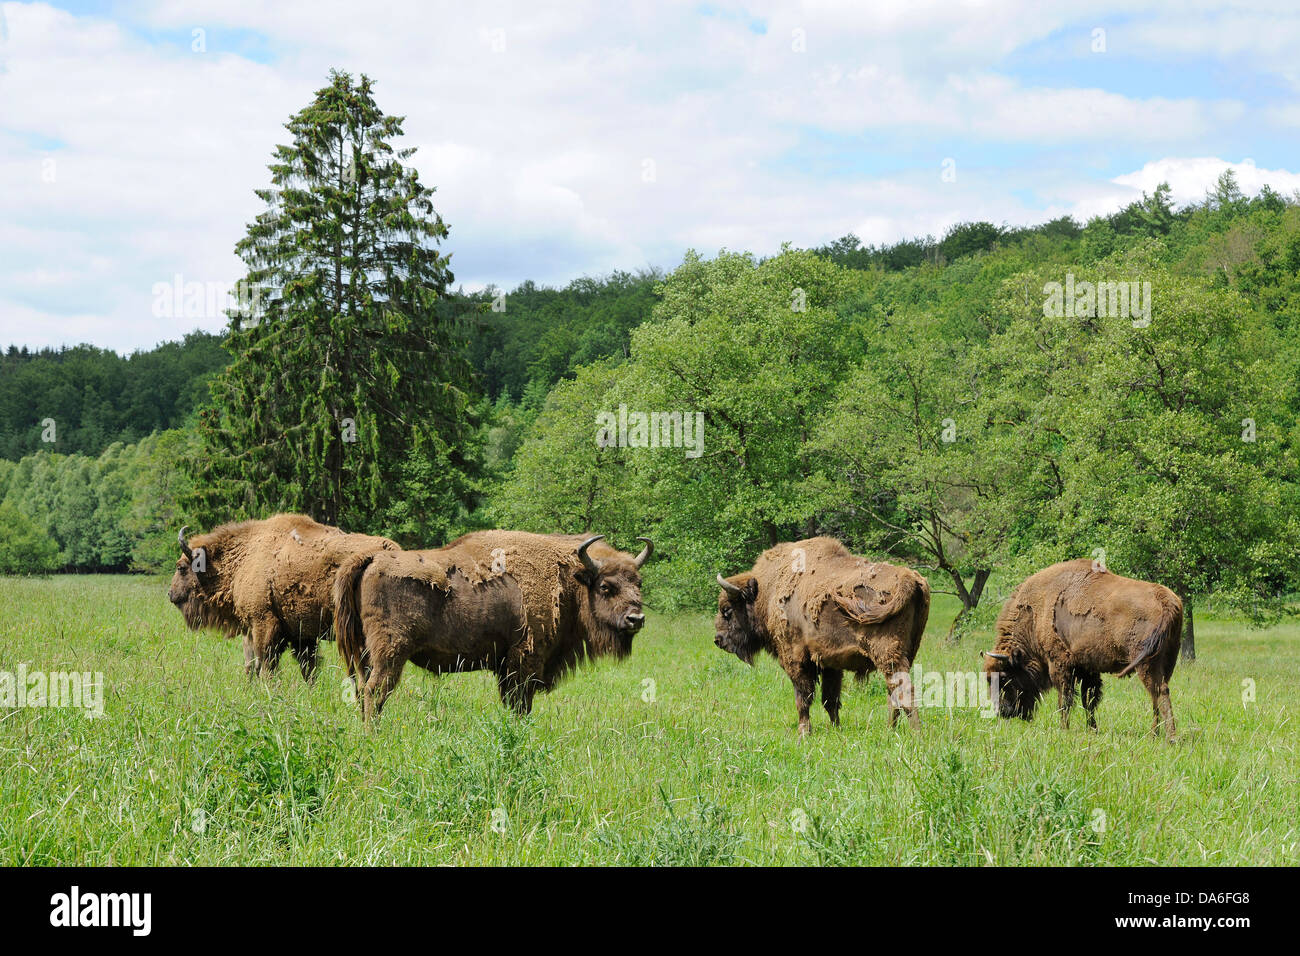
82,399
523,342
924,400
87,500
959,415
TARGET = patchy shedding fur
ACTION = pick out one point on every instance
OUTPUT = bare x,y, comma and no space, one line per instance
522,605
270,581
1070,624
820,611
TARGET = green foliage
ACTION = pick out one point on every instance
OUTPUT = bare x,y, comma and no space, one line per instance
947,417
1172,441
24,548
538,336
119,511
755,348
563,480
969,238
264,773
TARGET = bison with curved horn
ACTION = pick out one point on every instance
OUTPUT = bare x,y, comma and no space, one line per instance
269,581
528,607
820,611
1072,622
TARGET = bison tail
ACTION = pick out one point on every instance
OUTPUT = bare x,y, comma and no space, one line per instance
921,611
1168,630
347,622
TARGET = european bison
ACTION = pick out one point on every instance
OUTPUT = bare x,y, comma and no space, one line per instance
1071,623
820,611
270,581
528,607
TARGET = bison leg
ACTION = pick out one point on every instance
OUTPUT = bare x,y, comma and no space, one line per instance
804,677
1090,688
305,653
1167,712
832,681
516,693
268,645
1064,681
1161,707
384,675
250,658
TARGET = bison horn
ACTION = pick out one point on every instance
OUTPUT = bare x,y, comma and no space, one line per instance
996,657
729,587
185,548
648,550
588,562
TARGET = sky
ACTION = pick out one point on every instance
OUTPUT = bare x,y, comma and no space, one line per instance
577,138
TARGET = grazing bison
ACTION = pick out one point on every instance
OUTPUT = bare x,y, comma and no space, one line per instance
528,607
1070,623
820,611
270,581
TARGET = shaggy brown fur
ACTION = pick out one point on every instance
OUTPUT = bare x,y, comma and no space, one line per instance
271,582
1070,624
522,605
820,611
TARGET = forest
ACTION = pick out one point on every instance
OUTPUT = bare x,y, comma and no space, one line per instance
931,401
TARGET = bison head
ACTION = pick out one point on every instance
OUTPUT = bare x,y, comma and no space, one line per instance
613,595
1018,679
187,590
737,628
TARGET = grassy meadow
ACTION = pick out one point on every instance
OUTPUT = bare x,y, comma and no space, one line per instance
679,755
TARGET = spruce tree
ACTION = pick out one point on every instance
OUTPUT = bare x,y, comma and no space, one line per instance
347,376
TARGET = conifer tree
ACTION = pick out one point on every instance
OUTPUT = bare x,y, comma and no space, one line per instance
347,376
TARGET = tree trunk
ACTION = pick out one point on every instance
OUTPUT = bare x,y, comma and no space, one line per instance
1189,631
970,598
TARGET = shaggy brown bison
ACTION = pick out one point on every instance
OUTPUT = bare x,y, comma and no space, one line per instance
528,607
820,611
270,581
1070,624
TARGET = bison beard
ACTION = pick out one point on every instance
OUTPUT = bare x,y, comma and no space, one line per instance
1069,624
270,581
527,607
820,611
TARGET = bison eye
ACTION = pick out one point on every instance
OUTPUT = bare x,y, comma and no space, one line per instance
606,589
726,614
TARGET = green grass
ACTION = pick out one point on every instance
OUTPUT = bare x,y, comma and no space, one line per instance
191,764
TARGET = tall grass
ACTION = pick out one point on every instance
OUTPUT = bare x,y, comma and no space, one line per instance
192,764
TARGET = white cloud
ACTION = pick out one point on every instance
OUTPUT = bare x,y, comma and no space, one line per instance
1189,178
539,151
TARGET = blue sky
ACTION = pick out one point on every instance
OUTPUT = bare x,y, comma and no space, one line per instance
572,139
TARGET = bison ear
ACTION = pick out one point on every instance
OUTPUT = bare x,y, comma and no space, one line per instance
750,590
